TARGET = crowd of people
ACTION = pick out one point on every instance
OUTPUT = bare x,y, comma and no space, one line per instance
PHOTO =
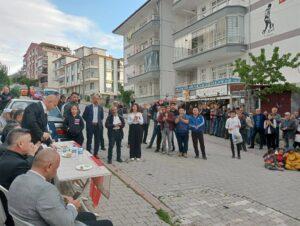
27,157
29,163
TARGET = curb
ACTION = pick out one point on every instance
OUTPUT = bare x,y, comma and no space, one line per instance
139,190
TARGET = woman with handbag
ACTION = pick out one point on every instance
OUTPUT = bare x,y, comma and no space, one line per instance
270,131
233,126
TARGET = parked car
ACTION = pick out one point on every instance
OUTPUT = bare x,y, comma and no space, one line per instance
55,118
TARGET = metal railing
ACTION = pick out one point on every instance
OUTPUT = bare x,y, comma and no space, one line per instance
221,41
207,12
144,23
142,48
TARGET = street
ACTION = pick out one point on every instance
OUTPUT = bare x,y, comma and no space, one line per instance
219,191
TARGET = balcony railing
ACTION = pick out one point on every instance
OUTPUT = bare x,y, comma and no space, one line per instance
207,12
140,49
143,24
221,41
141,72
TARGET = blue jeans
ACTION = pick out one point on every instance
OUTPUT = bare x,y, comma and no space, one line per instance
183,141
207,126
216,125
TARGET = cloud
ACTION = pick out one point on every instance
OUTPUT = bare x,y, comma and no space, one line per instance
23,22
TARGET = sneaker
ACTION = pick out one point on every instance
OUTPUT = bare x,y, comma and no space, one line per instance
119,160
233,156
109,161
144,142
185,155
205,158
197,156
103,149
148,147
239,157
132,159
156,150
138,159
251,147
180,154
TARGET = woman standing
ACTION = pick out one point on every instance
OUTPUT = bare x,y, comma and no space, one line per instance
74,125
270,131
135,121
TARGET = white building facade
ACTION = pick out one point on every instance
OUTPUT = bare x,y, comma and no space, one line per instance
205,37
148,51
89,71
211,34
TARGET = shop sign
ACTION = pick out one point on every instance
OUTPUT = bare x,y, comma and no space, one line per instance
213,83
213,91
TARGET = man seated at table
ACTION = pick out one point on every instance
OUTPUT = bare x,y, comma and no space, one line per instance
16,157
33,199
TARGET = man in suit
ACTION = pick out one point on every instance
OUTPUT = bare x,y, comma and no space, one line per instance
16,159
35,119
93,116
33,199
74,100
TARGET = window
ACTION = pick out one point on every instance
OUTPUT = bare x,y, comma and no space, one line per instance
92,62
72,78
92,86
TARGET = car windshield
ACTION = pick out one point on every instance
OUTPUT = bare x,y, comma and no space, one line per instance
55,113
20,104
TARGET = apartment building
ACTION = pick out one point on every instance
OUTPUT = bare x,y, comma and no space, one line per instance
37,62
211,34
148,51
88,71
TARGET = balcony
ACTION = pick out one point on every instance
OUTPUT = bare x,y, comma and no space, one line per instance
146,27
201,19
140,52
212,52
153,73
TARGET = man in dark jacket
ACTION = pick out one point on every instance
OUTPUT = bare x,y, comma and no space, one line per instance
258,121
93,116
288,127
35,119
114,124
16,159
5,97
74,100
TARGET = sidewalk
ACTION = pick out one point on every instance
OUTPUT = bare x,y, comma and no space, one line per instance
221,190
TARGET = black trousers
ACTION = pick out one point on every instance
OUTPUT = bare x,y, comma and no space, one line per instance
97,132
78,138
145,132
158,138
238,147
271,138
198,137
135,140
261,136
115,138
90,219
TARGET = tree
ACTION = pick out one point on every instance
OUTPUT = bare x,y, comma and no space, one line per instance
23,80
263,76
125,95
4,79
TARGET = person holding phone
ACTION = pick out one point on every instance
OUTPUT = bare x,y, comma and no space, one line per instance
270,131
135,136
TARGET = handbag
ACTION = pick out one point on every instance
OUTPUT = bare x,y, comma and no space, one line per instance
237,137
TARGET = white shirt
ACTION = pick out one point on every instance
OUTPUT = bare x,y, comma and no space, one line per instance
131,119
95,113
44,107
116,120
233,125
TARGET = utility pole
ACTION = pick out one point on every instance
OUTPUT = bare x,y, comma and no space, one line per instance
83,73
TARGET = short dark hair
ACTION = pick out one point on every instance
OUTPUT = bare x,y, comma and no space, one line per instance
17,113
74,93
232,111
14,134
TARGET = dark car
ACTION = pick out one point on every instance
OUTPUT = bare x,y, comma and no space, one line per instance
55,119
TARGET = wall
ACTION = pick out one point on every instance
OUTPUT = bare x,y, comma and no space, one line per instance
167,73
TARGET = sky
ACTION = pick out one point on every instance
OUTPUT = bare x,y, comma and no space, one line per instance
71,23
